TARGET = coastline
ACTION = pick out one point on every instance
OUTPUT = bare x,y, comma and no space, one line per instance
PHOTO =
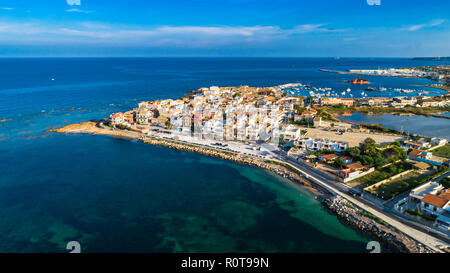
343,209
353,72
394,111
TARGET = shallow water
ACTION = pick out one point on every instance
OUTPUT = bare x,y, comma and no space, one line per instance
113,194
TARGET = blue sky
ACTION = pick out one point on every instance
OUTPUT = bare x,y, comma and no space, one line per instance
346,28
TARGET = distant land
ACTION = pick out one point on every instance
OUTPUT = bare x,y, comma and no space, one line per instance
432,58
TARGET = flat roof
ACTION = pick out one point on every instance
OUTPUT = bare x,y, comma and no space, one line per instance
426,188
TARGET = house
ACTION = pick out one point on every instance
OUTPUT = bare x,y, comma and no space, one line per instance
117,118
317,121
414,154
309,114
435,204
438,141
335,101
142,116
433,199
129,117
429,102
318,144
424,156
347,159
354,170
379,102
354,166
418,193
422,166
328,158
419,144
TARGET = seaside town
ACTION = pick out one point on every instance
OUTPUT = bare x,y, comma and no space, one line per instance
375,178
438,73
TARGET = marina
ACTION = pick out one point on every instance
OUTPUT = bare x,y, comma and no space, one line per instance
300,89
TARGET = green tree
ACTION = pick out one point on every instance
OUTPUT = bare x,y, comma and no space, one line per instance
339,163
367,160
445,182
168,124
354,152
379,160
393,169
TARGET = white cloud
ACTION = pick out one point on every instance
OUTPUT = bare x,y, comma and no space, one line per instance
74,2
421,26
79,10
91,32
7,8
308,28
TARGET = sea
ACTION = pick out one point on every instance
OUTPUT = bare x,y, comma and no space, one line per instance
118,195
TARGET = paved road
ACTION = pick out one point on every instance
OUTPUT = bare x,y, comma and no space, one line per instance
442,176
412,229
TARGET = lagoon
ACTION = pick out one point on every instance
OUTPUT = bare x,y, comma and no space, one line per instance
414,124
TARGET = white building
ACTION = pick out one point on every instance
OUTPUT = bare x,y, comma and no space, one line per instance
117,118
318,144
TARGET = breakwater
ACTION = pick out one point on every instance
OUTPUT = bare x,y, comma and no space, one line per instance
373,226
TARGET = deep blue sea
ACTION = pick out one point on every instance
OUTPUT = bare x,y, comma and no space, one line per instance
116,195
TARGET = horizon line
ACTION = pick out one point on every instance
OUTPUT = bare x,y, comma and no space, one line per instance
333,57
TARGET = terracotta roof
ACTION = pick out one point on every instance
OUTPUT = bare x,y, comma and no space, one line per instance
415,152
413,143
308,112
445,194
422,165
116,115
434,200
355,166
330,156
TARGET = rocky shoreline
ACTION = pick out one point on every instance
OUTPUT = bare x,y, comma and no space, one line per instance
335,204
367,223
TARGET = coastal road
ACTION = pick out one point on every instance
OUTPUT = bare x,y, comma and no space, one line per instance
414,230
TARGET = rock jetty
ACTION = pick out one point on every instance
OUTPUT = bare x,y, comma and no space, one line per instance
375,227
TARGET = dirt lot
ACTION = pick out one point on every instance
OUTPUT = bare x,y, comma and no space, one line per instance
353,139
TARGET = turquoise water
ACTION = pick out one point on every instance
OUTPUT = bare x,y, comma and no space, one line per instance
116,195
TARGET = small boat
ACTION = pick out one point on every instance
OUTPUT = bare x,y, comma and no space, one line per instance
370,89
